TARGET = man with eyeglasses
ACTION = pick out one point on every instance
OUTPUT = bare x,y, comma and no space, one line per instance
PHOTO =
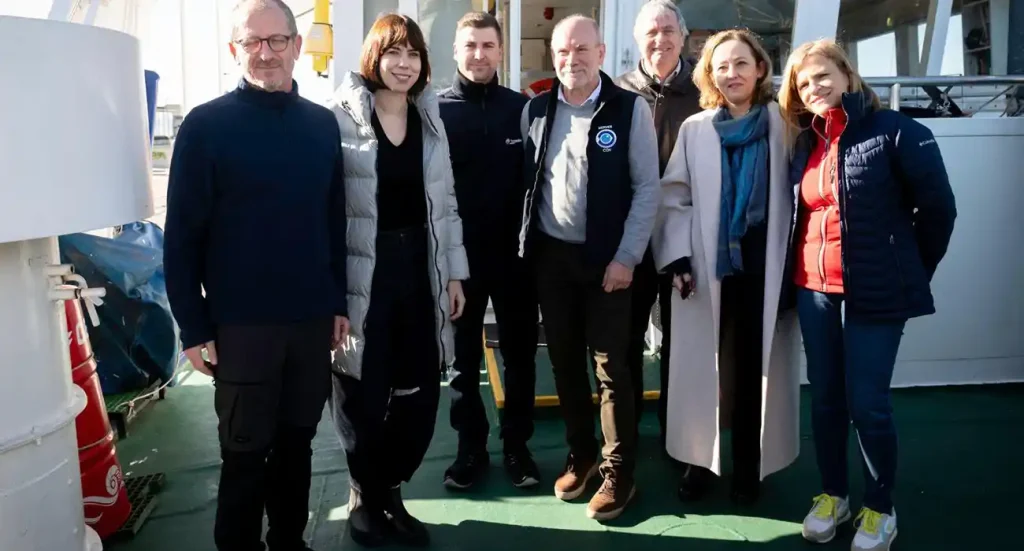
255,265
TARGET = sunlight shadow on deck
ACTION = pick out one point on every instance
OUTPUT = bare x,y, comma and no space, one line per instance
957,457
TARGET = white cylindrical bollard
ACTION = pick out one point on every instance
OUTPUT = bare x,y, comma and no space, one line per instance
73,158
40,481
92,540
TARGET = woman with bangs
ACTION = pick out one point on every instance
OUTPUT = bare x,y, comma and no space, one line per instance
405,266
875,213
722,233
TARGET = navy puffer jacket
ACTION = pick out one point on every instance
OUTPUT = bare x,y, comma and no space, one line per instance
896,209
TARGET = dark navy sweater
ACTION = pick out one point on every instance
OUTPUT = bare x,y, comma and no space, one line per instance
255,214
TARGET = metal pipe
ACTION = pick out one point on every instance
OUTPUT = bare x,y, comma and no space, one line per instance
939,13
59,270
40,478
515,33
911,82
894,97
64,293
90,16
61,9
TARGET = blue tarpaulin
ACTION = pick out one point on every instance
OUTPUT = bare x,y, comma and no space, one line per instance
136,343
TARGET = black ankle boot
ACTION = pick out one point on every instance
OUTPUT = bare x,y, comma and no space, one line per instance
694,483
366,520
405,529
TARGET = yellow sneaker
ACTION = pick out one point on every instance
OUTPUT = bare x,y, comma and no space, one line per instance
875,531
827,513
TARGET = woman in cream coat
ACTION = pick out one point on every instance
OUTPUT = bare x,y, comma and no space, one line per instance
734,348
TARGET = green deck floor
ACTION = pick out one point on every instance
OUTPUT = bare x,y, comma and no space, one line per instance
960,482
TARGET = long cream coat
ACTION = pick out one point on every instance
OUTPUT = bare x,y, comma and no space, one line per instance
687,225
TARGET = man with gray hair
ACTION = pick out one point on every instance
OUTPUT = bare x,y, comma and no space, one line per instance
663,78
592,196
254,259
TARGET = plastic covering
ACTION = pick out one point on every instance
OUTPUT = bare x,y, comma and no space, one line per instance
137,342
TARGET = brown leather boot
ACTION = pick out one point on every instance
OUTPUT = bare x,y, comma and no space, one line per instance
611,499
574,478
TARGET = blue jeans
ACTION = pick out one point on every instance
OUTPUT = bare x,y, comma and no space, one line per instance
849,365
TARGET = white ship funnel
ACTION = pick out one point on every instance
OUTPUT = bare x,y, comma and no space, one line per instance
73,157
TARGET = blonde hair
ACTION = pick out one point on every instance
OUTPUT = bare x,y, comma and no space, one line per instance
790,104
703,77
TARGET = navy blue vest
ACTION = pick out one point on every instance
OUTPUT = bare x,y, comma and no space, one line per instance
609,185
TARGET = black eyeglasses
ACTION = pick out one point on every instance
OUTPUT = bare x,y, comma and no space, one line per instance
277,43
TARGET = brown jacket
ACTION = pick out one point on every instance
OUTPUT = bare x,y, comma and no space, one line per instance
671,103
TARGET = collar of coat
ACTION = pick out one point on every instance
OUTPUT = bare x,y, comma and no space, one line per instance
608,91
680,83
354,96
468,90
856,105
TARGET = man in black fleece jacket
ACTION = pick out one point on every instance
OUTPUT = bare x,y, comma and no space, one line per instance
481,119
256,219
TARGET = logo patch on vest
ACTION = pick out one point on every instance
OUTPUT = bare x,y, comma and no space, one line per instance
606,138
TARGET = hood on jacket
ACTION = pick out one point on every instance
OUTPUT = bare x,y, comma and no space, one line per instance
354,96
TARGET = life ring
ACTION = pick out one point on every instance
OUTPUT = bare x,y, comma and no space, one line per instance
540,86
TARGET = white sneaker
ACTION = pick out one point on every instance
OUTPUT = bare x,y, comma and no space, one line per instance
825,517
875,531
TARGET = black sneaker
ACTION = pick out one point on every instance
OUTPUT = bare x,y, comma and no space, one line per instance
521,469
466,470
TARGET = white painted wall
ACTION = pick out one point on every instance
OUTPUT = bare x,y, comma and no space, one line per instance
976,335
437,19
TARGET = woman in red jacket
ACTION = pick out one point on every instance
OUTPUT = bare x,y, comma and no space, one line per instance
874,215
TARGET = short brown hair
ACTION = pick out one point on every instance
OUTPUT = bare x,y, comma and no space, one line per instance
710,96
790,104
387,31
480,20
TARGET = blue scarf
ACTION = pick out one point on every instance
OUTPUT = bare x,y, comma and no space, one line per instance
744,181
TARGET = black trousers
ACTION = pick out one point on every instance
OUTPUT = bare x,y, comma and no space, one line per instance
385,419
648,286
742,310
499,274
271,386
580,316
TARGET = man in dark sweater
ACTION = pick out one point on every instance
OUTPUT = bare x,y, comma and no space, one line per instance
482,121
256,220
663,78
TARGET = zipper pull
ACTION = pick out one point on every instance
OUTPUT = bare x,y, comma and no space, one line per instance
892,239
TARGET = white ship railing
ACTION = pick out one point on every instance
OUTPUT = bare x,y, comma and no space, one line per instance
958,96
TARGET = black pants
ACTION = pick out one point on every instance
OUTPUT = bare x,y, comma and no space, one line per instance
500,275
271,386
742,309
649,286
579,315
385,419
